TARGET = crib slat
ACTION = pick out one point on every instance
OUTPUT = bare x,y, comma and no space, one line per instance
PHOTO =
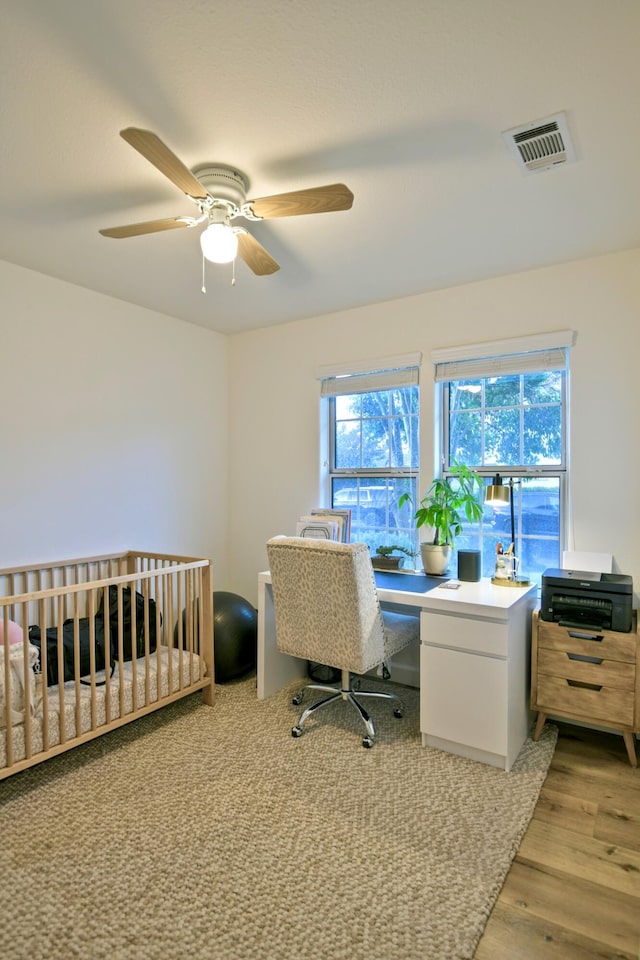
7,687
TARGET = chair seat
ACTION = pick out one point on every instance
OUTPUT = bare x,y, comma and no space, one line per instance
399,631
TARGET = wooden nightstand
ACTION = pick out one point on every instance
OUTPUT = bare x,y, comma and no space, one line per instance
586,675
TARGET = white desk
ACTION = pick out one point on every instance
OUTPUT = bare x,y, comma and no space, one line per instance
475,646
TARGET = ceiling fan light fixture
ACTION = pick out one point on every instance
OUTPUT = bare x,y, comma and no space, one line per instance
219,243
219,193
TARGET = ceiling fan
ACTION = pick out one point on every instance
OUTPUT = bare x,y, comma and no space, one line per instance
219,193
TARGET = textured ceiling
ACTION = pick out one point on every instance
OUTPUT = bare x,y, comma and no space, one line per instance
404,102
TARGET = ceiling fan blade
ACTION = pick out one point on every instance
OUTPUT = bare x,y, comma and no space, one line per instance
149,226
327,199
255,256
156,152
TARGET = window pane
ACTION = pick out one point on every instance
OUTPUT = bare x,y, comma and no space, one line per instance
376,434
375,443
516,422
410,445
537,526
543,387
347,453
375,517
502,437
512,420
375,404
502,391
465,441
377,430
348,406
543,435
465,394
404,401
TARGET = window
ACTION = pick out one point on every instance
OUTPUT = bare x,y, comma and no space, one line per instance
373,449
506,414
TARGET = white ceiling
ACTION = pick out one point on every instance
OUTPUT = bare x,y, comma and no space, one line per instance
404,102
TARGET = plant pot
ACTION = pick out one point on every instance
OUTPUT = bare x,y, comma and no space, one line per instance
386,563
435,558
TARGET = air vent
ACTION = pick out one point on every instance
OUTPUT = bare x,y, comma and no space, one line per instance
542,144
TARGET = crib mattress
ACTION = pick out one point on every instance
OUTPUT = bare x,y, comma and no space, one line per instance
179,670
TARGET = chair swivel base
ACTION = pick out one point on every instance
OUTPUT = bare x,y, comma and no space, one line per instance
344,692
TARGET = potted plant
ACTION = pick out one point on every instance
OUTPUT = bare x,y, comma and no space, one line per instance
444,507
383,559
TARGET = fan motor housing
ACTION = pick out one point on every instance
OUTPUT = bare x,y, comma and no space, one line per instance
223,183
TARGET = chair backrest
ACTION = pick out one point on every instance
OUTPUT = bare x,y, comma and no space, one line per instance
325,602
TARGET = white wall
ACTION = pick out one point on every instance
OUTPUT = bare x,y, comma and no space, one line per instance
113,425
124,428
274,408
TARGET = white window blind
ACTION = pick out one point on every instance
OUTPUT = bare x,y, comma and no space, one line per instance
501,358
543,360
370,375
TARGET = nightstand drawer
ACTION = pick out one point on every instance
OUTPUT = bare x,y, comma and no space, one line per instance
569,665
605,703
605,644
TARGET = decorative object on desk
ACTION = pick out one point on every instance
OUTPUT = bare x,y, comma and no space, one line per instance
444,507
469,565
252,804
342,517
384,560
318,528
507,564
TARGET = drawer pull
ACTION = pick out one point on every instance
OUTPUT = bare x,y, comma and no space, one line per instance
596,637
585,686
584,659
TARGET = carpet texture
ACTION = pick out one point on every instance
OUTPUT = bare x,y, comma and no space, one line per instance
209,832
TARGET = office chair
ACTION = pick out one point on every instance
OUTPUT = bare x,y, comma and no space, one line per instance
327,610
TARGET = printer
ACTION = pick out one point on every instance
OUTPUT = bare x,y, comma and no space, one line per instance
578,598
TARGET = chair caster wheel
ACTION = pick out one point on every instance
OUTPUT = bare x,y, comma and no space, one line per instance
367,742
296,731
398,713
297,700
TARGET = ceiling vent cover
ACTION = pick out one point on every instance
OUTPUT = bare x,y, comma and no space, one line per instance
542,144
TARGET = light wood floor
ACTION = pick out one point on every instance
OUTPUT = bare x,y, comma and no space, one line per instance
573,891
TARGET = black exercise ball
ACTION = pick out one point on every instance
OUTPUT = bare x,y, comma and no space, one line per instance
235,635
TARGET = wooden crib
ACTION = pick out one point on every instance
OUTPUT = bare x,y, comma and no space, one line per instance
141,625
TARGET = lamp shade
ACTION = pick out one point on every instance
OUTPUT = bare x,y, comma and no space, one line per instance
219,243
497,492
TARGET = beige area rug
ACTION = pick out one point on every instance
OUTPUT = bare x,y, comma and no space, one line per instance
209,832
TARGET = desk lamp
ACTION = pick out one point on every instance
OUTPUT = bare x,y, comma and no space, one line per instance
506,563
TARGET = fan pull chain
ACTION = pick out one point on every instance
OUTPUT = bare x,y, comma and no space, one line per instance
233,274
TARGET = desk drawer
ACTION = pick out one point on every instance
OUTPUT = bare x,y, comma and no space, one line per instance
464,699
461,633
608,704
605,644
564,664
